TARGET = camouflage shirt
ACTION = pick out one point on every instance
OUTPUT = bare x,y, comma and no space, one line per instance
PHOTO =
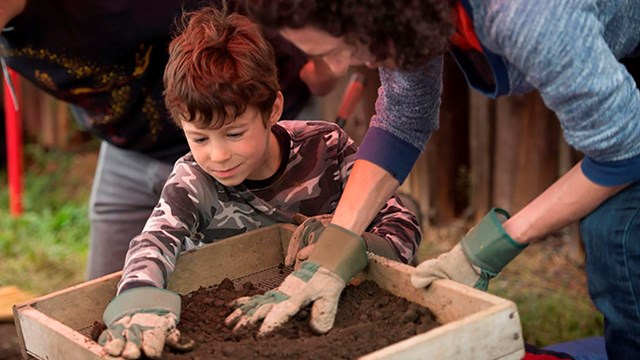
195,209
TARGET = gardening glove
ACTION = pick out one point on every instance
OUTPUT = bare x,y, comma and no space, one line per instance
304,238
339,255
308,232
140,321
484,251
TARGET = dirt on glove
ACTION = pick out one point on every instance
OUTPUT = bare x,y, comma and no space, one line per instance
368,319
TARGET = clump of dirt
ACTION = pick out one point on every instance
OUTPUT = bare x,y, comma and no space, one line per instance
369,318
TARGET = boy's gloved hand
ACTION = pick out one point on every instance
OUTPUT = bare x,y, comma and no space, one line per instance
140,321
479,257
304,238
338,256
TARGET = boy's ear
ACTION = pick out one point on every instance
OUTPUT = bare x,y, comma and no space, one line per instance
276,110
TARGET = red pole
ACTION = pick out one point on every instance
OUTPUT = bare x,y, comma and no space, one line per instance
350,98
14,144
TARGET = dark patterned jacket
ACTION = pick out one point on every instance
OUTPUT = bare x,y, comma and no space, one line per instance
107,58
195,209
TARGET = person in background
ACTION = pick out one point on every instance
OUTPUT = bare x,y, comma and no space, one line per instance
107,60
245,170
569,51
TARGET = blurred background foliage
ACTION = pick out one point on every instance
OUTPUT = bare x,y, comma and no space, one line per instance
45,248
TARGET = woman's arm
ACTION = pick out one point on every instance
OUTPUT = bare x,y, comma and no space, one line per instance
368,189
569,199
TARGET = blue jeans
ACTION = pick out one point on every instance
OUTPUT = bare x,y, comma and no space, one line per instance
611,235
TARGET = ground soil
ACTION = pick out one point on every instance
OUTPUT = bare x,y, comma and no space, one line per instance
9,347
369,318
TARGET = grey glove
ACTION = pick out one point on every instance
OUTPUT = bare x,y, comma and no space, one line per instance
338,256
310,283
140,321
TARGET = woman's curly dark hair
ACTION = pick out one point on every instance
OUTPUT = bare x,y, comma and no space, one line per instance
411,32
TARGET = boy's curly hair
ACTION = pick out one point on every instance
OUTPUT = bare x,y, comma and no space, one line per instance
411,32
219,64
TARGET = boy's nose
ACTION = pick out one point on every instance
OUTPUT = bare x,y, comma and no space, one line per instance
219,154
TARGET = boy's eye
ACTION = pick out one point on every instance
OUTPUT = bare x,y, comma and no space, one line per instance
235,135
199,140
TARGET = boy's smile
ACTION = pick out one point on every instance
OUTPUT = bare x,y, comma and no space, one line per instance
245,148
224,173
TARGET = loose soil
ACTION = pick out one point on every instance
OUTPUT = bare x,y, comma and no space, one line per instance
369,318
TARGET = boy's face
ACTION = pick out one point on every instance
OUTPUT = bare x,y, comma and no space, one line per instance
242,149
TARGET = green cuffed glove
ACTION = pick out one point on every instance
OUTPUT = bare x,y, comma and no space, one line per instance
140,321
338,256
484,251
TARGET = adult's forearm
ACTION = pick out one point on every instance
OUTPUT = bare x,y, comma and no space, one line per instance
569,199
368,189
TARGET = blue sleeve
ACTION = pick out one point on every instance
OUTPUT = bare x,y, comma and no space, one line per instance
612,173
389,152
563,51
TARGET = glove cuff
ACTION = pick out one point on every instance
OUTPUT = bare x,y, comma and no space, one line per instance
380,246
142,299
488,245
341,251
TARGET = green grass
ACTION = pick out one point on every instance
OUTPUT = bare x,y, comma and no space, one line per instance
45,248
551,315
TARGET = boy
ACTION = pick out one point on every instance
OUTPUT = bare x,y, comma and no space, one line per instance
245,171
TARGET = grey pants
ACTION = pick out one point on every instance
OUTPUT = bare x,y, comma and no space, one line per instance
126,188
